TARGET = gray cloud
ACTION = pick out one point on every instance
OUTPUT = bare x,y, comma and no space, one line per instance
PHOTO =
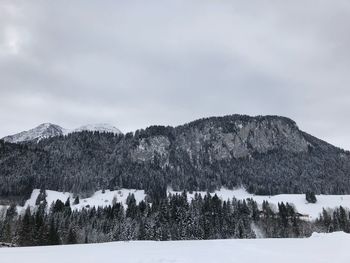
137,63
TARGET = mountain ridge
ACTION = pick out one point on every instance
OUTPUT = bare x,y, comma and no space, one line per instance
48,130
265,154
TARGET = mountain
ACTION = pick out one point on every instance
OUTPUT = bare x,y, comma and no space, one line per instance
43,131
265,154
100,127
48,130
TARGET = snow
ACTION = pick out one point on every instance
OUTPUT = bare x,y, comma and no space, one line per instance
298,200
52,196
106,199
323,248
100,127
99,198
47,130
43,131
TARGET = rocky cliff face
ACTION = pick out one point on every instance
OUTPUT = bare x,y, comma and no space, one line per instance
240,136
224,138
148,148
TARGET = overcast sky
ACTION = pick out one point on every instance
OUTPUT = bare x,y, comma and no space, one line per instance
137,63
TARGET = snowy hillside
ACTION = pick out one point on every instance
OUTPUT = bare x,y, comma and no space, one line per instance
320,248
298,200
101,127
47,130
99,198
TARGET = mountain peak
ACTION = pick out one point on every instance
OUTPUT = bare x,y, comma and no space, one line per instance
98,127
43,131
47,130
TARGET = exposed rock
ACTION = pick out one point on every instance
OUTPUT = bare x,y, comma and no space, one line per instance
239,137
149,147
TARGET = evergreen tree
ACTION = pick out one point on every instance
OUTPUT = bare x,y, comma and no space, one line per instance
76,200
72,237
310,197
41,197
25,237
53,236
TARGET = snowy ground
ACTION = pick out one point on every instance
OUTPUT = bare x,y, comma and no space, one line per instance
320,248
104,199
99,198
298,200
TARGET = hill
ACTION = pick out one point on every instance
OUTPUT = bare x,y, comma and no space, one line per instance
265,154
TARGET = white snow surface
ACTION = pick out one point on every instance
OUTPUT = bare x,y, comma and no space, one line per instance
311,211
320,248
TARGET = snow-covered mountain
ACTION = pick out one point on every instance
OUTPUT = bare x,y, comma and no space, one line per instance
38,133
47,130
100,127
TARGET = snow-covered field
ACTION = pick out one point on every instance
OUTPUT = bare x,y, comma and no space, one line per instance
106,198
298,200
320,248
99,198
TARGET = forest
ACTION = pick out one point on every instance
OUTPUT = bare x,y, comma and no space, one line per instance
169,218
270,156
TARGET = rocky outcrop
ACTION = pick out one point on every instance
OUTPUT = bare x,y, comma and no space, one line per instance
149,148
239,136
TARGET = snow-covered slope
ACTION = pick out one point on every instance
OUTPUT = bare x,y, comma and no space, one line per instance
311,211
100,127
317,249
106,198
38,133
100,198
47,130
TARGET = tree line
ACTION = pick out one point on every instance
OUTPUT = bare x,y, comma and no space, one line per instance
170,218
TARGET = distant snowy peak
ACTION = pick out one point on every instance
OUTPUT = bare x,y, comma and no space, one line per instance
43,131
47,130
100,127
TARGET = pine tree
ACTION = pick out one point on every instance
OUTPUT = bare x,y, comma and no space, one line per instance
41,197
76,200
25,237
53,236
72,237
310,197
67,203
